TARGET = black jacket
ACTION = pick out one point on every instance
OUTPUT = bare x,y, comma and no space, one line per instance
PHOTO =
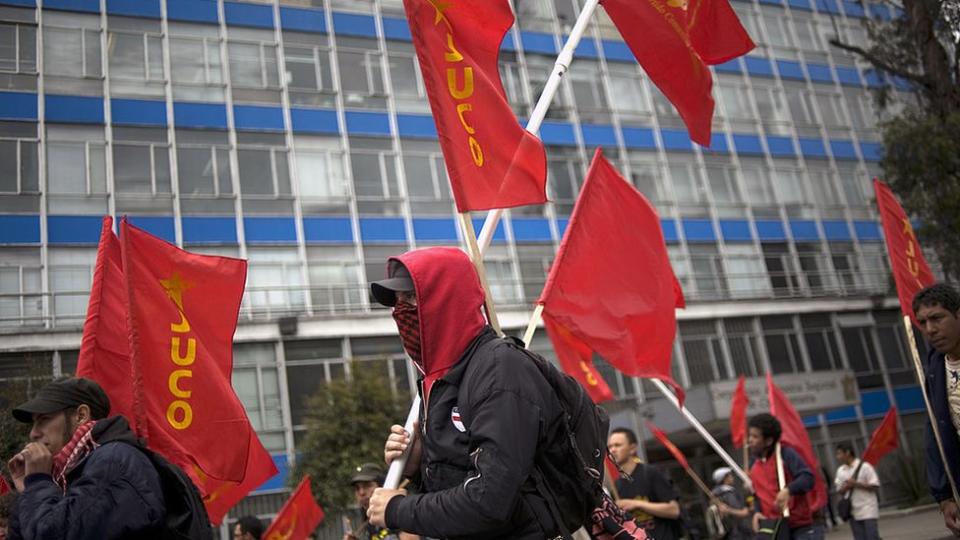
936,388
485,421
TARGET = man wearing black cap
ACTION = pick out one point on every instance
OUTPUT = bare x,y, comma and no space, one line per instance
75,480
368,478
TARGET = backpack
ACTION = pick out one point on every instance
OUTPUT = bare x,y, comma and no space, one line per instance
187,517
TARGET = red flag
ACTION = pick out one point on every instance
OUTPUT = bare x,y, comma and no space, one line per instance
664,440
884,438
674,41
491,160
576,359
299,516
910,268
795,436
220,496
614,235
738,413
4,486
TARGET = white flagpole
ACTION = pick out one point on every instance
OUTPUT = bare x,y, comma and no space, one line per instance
395,473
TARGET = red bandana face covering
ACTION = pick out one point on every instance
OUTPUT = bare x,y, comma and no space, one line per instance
79,446
408,323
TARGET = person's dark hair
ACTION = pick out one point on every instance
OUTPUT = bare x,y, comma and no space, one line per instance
845,447
251,525
628,433
938,294
768,425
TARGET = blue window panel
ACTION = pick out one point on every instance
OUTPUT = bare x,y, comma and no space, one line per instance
352,24
161,227
617,51
19,229
871,151
909,399
279,480
595,135
416,125
204,11
88,6
880,11
813,148
781,146
772,2
747,144
843,150
314,121
676,139
699,230
804,230
758,66
531,230
200,115
718,143
244,14
670,233
74,229
873,78
538,42
26,3
557,133
258,118
828,6
639,138
383,230
396,29
269,230
74,109
508,44
209,230
328,230
368,123
800,4
848,76
499,235
837,231
867,231
874,403
811,421
736,230
435,230
587,48
902,84
134,8
18,106
842,414
562,225
303,20
820,73
771,231
790,70
853,9
730,66
138,112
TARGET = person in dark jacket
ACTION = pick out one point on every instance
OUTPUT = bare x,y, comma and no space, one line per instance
81,475
937,309
733,506
486,409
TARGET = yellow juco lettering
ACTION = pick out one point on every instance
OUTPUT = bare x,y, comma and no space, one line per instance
913,265
588,373
183,353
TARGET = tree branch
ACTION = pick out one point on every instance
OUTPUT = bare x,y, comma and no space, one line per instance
879,63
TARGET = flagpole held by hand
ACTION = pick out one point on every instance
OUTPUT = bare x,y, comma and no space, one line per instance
396,468
781,477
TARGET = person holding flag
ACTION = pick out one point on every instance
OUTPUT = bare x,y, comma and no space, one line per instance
645,492
857,480
733,507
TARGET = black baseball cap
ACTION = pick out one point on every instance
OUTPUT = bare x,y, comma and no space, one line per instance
63,394
398,279
368,472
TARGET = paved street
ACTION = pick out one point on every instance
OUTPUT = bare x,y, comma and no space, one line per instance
922,525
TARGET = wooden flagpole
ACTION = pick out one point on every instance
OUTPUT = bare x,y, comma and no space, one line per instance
781,477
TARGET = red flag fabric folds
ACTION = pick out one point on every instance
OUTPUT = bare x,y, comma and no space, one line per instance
738,413
611,285
491,160
664,440
220,496
884,438
4,486
674,41
910,269
795,436
576,359
299,516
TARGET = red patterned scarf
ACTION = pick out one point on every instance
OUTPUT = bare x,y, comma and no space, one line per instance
407,318
79,446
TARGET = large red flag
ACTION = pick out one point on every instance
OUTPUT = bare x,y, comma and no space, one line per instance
299,516
220,496
910,269
738,413
884,438
664,440
491,160
674,41
611,285
576,359
795,436
4,486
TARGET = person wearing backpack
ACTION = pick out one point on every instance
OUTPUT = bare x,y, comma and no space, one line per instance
857,483
489,416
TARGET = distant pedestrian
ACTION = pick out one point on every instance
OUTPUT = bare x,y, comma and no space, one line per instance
733,506
248,528
857,481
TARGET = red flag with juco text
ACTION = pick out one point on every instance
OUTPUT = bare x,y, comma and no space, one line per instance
664,440
576,359
910,269
794,435
299,516
611,285
491,160
738,413
884,439
675,41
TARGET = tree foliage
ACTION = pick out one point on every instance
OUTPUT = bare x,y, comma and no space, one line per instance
347,424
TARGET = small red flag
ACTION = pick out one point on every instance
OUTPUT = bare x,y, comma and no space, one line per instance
491,160
884,438
738,413
220,496
4,486
674,41
664,440
910,269
614,235
795,436
299,516
576,359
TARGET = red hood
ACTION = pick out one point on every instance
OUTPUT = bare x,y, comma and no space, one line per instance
449,300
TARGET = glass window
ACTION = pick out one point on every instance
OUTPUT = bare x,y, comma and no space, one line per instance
320,168
782,269
821,342
309,79
687,184
708,272
71,271
586,81
375,173
500,276
756,182
141,166
535,14
534,261
851,180
361,73
832,110
135,56
408,89
743,347
823,186
538,69
335,280
746,273
645,174
197,69
274,281
204,169
20,292
18,166
722,178
76,168
801,105
253,65
565,171
735,101
816,268
18,48
789,183
703,351
263,171
71,52
626,90
512,79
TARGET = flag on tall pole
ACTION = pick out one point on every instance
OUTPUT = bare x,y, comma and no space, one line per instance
884,438
665,441
738,413
794,435
299,516
576,359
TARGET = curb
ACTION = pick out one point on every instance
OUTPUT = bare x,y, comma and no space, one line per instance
909,511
